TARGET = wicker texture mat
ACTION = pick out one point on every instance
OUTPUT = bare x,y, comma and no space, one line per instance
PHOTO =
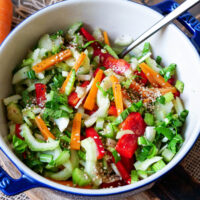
24,8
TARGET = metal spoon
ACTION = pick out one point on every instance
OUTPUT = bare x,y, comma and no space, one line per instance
163,22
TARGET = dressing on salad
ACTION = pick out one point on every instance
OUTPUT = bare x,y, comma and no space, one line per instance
84,118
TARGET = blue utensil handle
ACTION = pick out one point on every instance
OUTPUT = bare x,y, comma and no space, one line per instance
186,19
10,186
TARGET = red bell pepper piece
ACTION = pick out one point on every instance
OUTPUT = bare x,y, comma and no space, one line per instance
102,56
112,111
128,162
86,34
121,168
171,81
119,66
40,90
176,94
135,123
141,78
89,37
85,84
91,132
113,184
73,98
17,131
127,145
123,172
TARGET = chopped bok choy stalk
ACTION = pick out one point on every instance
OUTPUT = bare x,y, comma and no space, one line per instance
91,159
33,144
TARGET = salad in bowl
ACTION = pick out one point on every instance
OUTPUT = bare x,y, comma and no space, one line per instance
82,117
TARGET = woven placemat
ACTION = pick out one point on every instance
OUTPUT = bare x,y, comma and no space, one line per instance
24,8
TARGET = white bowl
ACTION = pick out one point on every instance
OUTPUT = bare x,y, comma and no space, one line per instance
117,17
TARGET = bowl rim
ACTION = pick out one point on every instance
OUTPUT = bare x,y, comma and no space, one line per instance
42,181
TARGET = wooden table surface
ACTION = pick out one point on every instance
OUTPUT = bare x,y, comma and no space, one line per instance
176,185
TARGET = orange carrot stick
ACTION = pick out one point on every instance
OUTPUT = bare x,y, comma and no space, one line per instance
106,39
49,62
43,128
117,94
156,76
76,67
148,75
147,92
76,132
164,91
6,12
91,98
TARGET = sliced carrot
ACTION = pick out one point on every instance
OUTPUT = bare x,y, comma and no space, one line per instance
106,39
147,92
52,60
70,184
6,12
76,67
156,76
148,75
164,91
117,91
91,98
76,132
43,128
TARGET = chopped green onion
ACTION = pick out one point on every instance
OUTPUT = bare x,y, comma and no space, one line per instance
146,49
109,131
179,86
167,155
169,71
99,124
62,158
184,115
101,89
31,74
46,158
169,97
74,28
88,44
153,151
142,141
134,176
115,155
19,145
158,166
65,138
82,155
27,62
158,60
126,83
80,178
142,174
173,145
111,51
161,99
149,119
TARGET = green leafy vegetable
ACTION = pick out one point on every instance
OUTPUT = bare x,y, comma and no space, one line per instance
19,145
115,155
168,72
